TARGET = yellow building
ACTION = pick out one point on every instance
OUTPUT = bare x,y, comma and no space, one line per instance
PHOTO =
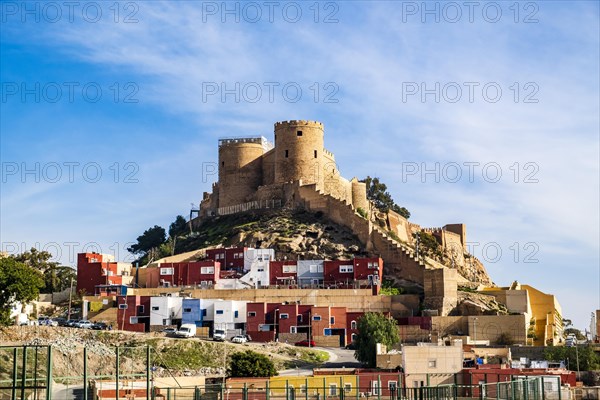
542,310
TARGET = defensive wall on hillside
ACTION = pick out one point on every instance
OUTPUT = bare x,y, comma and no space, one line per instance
297,171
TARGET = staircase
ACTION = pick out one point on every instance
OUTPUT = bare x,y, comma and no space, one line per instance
400,260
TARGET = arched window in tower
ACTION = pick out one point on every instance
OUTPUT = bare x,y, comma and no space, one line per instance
286,153
315,154
299,133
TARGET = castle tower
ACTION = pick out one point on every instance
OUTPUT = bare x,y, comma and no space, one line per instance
299,152
359,195
240,168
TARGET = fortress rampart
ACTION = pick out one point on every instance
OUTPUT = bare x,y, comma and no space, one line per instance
250,168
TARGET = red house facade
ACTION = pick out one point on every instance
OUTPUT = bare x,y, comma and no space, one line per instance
184,274
133,313
100,269
283,272
229,258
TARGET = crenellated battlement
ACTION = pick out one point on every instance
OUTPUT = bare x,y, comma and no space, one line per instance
295,122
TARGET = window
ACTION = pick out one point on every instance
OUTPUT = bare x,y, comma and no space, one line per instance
432,363
155,308
266,258
140,309
289,269
353,337
207,270
316,317
261,270
312,268
167,271
252,314
299,133
123,306
133,320
236,314
240,255
187,309
293,329
392,385
204,312
236,255
284,316
353,325
347,387
374,387
219,312
346,269
332,320
299,318
315,154
286,154
320,268
332,389
222,163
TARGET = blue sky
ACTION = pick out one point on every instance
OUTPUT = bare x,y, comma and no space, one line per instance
402,88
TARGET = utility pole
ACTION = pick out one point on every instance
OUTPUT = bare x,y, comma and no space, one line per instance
70,299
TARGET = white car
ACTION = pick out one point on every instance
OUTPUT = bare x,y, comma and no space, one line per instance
85,324
239,339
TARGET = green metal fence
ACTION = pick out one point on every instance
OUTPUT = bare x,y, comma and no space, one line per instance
28,373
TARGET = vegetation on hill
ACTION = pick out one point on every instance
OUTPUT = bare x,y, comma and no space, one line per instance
18,283
56,277
381,198
250,364
374,328
587,357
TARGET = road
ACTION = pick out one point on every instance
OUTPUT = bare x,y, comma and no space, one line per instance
338,358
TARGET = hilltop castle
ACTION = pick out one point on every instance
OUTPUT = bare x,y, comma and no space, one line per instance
298,172
254,169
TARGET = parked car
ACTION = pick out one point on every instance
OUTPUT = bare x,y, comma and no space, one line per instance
239,339
169,331
61,321
99,326
72,323
85,324
351,346
219,335
47,321
305,343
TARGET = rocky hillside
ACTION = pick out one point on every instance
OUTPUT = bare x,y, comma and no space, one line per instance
171,357
296,234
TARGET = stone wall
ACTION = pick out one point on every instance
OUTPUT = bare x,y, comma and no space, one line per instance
441,290
352,299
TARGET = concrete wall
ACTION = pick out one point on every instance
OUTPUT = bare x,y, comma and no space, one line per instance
352,299
432,359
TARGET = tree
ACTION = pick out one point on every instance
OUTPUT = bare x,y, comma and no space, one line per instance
150,239
576,332
251,364
588,360
56,277
374,328
178,227
505,339
18,283
378,194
